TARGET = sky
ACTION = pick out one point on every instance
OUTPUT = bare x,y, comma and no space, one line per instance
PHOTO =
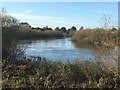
62,14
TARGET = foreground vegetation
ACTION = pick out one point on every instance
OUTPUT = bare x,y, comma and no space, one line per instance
39,73
34,74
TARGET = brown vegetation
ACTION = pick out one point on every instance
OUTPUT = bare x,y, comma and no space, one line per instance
97,37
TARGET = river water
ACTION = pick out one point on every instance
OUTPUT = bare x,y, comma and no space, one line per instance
58,50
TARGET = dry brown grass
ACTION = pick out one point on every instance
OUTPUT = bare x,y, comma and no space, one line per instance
97,37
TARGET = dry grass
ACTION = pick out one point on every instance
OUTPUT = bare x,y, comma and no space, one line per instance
96,37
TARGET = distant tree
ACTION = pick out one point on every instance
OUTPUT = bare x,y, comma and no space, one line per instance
81,28
73,28
25,24
57,29
113,29
47,28
50,29
63,29
41,29
33,28
68,31
38,28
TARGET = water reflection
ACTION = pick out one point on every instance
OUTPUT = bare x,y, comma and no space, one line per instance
97,49
58,49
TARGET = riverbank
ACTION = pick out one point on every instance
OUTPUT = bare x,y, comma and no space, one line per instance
97,37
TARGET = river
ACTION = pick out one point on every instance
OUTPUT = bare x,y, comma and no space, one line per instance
58,50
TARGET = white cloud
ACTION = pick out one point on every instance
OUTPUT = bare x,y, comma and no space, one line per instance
28,11
76,8
37,20
86,9
102,12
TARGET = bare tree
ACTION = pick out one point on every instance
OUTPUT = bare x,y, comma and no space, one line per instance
7,20
105,21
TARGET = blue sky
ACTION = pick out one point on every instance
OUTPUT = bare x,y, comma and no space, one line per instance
62,14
